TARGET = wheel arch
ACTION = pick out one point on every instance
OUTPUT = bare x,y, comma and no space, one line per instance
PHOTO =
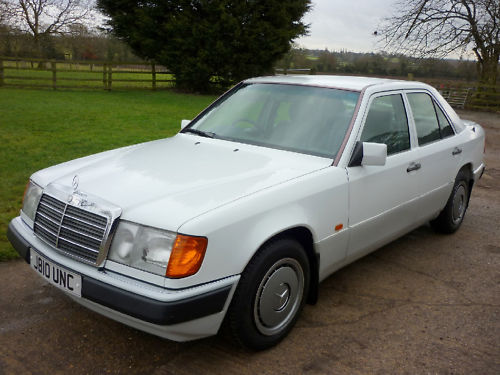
467,168
304,236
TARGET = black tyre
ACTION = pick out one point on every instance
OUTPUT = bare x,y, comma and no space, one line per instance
270,295
453,213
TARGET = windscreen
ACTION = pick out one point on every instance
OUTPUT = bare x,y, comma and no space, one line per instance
305,119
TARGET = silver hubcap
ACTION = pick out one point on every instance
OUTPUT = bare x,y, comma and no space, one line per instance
279,296
459,203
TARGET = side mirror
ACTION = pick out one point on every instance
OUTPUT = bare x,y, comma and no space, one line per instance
184,123
367,153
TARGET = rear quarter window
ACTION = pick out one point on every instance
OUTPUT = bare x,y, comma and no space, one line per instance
444,124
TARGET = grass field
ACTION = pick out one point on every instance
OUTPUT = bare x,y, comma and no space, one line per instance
40,128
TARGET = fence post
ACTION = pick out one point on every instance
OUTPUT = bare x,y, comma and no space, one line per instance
1,73
153,75
110,76
104,80
54,77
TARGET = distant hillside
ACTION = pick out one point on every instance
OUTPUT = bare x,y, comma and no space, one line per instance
381,64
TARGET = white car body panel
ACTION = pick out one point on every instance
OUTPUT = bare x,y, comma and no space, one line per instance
319,205
377,213
185,174
239,196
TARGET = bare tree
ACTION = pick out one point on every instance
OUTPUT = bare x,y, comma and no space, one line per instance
439,27
43,18
5,12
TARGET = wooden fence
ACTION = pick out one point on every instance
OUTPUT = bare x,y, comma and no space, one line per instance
57,74
471,95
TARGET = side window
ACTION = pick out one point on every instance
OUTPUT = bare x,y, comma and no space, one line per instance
425,118
386,122
444,124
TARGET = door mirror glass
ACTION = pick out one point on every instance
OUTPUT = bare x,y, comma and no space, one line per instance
184,123
368,153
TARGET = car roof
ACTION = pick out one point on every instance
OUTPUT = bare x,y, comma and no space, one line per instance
340,82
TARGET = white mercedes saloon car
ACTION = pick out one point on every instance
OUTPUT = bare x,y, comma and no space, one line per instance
236,220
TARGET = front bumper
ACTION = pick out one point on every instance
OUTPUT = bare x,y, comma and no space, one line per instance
175,314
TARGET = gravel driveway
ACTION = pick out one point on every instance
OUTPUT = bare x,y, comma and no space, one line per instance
426,303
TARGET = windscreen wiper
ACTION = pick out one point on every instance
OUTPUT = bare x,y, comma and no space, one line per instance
199,132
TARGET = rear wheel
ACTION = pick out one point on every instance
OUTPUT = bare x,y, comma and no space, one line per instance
452,215
270,295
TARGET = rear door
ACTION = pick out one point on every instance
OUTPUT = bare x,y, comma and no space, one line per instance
383,199
439,155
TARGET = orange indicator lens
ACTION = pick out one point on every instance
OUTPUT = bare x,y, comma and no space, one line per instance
186,257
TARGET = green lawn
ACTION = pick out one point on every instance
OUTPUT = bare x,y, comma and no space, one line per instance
40,128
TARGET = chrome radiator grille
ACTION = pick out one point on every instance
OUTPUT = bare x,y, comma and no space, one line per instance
71,229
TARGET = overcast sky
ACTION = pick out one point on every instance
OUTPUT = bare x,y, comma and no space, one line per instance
345,24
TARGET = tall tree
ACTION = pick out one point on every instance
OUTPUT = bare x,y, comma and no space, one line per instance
440,27
201,39
44,18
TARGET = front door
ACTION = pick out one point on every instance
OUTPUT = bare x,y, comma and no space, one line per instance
383,199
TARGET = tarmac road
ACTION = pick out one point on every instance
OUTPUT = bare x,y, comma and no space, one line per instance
425,304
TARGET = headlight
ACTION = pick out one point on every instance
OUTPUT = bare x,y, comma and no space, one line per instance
157,251
31,198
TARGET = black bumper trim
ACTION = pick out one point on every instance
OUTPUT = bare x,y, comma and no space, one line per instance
153,311
18,242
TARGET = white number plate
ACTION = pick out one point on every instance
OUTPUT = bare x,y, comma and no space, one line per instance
68,281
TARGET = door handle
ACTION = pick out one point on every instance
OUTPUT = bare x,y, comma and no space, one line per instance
456,151
413,167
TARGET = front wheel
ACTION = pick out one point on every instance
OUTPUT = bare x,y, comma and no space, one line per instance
270,295
452,215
